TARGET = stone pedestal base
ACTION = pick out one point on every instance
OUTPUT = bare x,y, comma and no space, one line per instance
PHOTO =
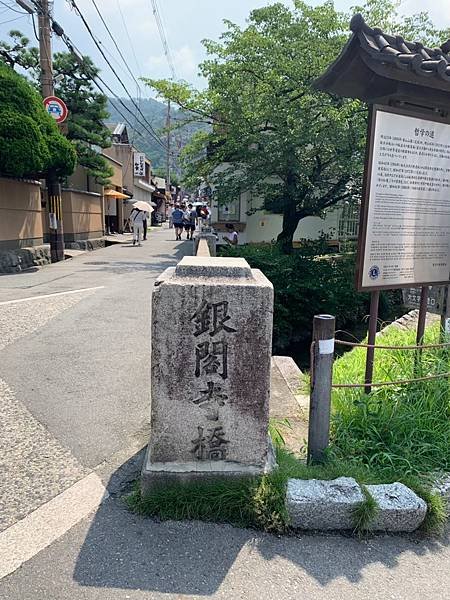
165,474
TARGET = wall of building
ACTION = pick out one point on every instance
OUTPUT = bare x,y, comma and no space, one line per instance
123,153
82,215
80,180
20,214
260,226
116,178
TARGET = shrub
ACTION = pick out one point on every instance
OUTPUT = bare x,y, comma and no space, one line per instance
30,142
22,147
305,285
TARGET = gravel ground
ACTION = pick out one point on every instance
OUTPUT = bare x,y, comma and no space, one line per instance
21,319
34,465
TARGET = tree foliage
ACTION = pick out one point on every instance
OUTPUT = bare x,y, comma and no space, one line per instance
299,150
30,142
87,112
73,83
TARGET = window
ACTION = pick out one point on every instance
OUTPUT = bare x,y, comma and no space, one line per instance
349,222
230,211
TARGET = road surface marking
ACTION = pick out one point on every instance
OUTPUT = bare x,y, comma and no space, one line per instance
98,287
46,524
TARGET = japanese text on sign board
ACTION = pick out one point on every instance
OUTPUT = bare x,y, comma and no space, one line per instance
211,328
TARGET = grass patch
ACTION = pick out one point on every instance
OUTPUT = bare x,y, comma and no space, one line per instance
256,502
365,513
436,516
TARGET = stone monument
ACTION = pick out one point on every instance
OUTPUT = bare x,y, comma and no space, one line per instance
210,374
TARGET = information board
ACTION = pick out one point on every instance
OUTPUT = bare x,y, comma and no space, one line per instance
405,220
435,299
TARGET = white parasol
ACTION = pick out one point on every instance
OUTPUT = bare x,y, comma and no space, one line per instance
141,205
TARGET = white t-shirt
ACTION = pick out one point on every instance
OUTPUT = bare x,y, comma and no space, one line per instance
232,236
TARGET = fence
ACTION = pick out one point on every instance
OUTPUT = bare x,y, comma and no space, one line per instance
321,376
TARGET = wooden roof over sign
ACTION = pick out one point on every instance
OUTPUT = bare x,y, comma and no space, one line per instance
378,67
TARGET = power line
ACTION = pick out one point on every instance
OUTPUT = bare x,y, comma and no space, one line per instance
129,38
34,28
19,12
71,46
114,42
98,45
162,35
11,20
138,88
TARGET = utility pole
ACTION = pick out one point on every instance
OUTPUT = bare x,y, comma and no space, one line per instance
168,148
54,203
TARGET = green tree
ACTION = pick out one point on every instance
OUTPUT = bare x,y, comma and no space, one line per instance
17,52
87,112
30,142
300,150
73,83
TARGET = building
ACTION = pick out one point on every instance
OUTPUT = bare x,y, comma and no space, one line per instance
136,173
161,198
339,223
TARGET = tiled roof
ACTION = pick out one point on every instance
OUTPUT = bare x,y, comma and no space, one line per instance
377,67
427,62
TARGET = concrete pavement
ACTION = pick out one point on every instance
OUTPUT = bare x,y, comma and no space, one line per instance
74,398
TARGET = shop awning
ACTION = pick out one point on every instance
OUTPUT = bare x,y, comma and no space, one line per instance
144,185
115,194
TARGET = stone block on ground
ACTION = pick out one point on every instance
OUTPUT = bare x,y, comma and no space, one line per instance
210,372
323,505
400,509
86,245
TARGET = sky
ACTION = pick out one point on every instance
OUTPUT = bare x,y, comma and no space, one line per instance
186,23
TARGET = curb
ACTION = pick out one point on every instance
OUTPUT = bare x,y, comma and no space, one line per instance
320,505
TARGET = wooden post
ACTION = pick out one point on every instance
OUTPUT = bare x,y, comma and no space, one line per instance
421,327
445,316
371,339
320,399
422,315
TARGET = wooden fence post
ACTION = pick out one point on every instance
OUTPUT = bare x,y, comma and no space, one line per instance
321,376
445,317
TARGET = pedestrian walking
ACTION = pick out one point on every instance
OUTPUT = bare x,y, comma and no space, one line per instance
144,224
169,214
177,220
137,218
189,218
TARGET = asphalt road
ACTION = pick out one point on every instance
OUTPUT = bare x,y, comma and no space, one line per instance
74,397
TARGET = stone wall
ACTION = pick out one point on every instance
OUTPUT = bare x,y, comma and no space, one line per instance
19,259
